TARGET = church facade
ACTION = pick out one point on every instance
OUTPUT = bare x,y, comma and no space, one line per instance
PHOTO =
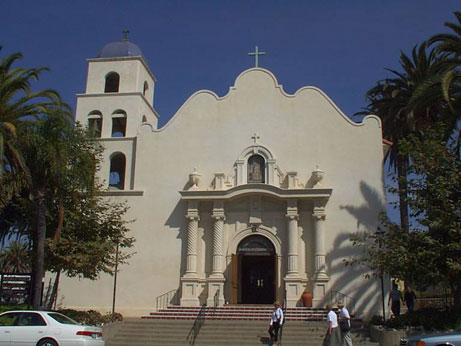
241,199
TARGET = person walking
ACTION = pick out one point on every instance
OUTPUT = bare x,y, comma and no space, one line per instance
344,324
395,296
409,296
276,322
332,337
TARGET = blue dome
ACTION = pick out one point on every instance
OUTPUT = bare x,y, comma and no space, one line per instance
120,49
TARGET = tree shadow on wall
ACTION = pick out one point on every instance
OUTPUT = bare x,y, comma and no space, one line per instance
367,294
177,222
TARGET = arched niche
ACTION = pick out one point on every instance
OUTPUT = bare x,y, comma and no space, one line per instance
259,161
256,169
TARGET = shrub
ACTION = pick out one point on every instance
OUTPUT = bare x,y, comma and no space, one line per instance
115,317
4,308
429,318
91,317
377,320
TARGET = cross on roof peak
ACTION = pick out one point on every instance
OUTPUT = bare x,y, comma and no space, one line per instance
256,53
125,34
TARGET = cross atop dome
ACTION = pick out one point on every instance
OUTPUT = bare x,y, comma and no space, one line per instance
125,34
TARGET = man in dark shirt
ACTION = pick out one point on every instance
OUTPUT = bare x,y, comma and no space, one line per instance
409,297
395,297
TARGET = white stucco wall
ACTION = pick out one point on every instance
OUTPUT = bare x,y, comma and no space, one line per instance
209,133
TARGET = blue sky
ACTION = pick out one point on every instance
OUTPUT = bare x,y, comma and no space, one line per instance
341,47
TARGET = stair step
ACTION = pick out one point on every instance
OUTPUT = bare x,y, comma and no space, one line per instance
235,312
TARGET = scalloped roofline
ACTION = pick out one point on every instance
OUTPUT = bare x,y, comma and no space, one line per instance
277,86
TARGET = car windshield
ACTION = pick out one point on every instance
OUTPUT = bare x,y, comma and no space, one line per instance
61,318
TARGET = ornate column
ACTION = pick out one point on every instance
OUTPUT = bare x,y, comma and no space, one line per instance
293,284
320,277
190,280
216,279
218,239
191,250
292,227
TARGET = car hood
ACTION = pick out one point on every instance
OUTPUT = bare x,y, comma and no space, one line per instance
436,337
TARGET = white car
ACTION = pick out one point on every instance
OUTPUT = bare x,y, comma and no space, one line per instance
45,328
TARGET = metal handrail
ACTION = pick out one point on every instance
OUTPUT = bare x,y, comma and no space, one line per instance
349,302
165,299
198,323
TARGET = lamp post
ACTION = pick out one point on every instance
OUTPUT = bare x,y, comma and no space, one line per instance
380,234
115,277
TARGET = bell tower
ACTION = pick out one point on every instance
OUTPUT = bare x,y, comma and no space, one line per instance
119,97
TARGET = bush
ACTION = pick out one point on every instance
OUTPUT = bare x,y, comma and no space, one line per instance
4,308
91,317
377,320
429,318
115,317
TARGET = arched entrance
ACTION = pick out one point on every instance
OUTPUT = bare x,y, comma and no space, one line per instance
256,270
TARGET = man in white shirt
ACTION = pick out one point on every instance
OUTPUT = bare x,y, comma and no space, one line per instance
333,337
344,324
276,322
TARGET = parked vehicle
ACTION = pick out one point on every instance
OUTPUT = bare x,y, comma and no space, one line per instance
448,339
45,328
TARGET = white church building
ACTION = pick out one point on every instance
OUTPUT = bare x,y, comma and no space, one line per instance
250,197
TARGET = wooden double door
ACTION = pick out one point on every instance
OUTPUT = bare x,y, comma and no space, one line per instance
254,269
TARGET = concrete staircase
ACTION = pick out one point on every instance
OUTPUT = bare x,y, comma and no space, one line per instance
236,312
142,332
230,325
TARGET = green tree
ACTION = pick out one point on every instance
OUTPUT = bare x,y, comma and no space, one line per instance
92,228
449,46
393,100
15,258
18,102
60,163
431,252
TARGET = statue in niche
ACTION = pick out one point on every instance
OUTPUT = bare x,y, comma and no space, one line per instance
256,169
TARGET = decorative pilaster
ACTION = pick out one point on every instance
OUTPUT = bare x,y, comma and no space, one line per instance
320,277
216,279
190,280
270,171
293,284
239,172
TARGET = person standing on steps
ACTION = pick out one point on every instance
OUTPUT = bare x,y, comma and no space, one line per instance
332,337
276,322
344,324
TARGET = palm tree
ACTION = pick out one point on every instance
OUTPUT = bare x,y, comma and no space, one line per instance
448,45
393,100
15,258
18,102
